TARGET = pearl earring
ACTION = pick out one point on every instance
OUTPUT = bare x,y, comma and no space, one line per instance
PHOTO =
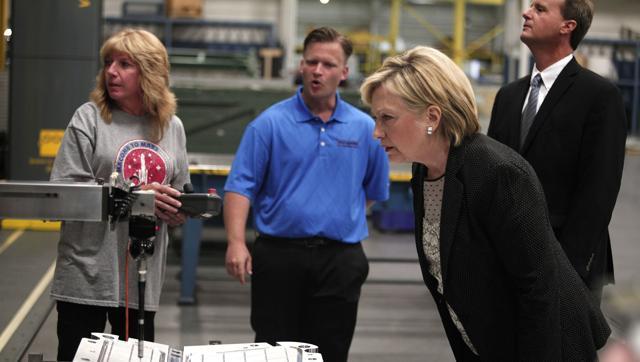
429,130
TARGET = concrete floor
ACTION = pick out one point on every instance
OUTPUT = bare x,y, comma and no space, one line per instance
397,319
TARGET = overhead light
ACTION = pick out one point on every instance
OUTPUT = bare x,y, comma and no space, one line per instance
7,34
323,2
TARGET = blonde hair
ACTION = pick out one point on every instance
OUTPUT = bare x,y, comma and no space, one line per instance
423,77
146,50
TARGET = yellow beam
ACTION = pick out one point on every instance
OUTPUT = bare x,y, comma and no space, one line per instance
394,24
484,39
217,170
458,31
442,37
10,240
38,225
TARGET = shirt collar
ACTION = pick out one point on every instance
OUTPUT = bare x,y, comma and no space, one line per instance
338,115
551,73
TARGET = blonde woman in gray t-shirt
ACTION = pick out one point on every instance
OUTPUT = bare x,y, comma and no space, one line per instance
129,127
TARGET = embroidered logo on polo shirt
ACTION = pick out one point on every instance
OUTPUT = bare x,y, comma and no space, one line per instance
142,162
347,143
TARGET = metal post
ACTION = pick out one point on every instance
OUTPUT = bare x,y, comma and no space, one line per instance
635,99
4,16
142,281
458,31
394,25
191,238
287,31
523,64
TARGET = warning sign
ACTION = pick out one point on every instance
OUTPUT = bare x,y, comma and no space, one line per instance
49,142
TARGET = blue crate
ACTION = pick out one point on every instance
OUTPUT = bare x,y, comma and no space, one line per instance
393,220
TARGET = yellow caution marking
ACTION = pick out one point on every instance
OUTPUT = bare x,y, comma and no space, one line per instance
26,307
10,240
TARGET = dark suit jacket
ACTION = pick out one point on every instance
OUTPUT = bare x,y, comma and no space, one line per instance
503,271
576,146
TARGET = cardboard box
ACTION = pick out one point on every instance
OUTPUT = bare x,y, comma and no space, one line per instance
184,8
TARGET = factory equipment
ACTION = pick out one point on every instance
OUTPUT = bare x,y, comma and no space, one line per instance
108,348
117,201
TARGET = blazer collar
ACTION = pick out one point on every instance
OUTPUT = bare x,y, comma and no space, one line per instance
560,86
452,197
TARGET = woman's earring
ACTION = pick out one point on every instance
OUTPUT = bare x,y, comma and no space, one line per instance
429,130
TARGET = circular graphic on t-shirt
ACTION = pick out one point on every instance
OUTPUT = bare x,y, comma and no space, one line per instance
142,163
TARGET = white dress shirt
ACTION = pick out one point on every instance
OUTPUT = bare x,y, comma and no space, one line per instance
548,76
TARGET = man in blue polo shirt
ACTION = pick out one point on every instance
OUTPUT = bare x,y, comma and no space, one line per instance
309,167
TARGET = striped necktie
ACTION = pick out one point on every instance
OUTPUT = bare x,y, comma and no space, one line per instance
529,113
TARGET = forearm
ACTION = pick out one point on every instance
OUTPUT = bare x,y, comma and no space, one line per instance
236,211
237,260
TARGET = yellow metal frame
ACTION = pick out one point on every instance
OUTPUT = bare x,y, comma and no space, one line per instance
394,24
459,10
484,39
442,37
37,225
456,46
364,43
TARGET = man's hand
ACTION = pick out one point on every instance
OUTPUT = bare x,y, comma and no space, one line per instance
166,204
238,261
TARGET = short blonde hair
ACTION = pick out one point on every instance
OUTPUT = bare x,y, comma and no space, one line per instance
423,77
146,50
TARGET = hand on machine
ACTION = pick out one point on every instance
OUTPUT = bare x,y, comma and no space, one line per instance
142,207
124,200
117,201
200,205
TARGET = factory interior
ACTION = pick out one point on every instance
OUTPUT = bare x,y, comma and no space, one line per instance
230,60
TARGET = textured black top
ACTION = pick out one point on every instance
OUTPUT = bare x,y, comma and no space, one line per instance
504,272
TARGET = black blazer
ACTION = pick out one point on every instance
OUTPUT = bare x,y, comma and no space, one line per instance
576,146
503,271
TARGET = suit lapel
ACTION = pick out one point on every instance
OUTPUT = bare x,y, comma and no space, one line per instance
559,88
514,113
417,180
451,204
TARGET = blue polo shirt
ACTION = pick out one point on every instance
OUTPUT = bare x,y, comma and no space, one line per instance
308,178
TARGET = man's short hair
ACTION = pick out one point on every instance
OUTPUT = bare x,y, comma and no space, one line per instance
582,12
328,35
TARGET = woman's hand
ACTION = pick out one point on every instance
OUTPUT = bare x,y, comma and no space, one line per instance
166,204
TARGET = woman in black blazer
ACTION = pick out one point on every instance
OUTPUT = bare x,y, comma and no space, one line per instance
503,286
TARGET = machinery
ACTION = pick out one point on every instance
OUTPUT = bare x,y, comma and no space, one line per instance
119,200
96,202
107,348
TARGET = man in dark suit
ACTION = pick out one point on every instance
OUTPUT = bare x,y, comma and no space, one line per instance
570,125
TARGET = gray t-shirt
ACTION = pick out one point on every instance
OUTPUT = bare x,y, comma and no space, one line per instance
90,268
